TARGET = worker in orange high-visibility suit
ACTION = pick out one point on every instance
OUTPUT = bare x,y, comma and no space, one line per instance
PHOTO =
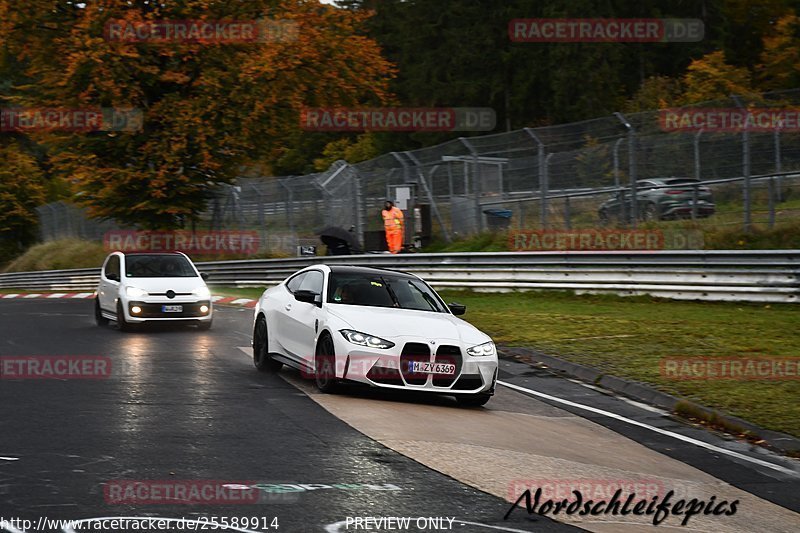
393,224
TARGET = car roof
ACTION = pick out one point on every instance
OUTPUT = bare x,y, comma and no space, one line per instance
365,270
670,178
150,253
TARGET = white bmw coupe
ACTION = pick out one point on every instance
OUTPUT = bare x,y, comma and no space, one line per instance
380,327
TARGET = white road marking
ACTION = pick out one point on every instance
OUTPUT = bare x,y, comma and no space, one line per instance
83,295
11,296
241,301
57,295
674,435
9,458
32,296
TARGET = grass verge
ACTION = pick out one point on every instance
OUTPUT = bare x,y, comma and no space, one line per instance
628,337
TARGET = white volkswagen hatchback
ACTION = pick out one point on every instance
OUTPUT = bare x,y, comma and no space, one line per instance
144,287
380,327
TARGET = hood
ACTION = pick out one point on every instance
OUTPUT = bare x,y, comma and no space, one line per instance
389,323
160,285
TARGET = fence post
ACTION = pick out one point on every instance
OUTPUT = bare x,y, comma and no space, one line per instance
776,135
429,193
543,184
696,143
631,168
745,167
476,183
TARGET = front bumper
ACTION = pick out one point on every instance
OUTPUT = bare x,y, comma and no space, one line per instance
155,311
684,209
392,368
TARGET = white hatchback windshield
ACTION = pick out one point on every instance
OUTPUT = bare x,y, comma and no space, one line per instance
158,266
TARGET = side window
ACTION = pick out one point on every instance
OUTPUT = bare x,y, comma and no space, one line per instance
112,267
294,283
312,282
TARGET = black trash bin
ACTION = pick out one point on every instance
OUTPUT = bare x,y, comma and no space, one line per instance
498,219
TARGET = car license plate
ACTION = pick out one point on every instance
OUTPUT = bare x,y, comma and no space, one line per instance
172,309
422,367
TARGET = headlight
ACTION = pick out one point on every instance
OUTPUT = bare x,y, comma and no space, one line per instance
135,292
202,292
487,348
363,339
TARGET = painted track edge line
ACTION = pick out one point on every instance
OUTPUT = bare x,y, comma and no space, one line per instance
665,432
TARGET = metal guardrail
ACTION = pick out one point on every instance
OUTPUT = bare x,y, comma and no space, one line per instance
754,276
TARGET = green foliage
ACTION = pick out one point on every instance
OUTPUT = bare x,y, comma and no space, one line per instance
21,190
60,254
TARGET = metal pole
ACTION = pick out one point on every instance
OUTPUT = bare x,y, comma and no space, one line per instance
745,168
776,135
543,185
616,162
360,207
696,172
429,194
545,190
476,182
632,168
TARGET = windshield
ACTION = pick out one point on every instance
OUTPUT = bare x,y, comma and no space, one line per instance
681,181
158,266
383,290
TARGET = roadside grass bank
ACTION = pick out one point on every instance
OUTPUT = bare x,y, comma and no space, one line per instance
629,337
717,235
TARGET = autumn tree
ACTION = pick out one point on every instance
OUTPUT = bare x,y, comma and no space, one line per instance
712,78
21,190
780,60
209,108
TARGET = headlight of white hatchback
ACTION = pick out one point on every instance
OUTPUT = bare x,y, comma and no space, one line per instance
202,292
487,348
364,339
135,292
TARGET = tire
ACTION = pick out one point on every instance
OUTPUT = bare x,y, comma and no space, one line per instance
261,358
325,366
205,325
473,400
123,324
98,316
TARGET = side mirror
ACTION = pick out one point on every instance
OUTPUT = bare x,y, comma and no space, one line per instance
457,309
204,275
309,297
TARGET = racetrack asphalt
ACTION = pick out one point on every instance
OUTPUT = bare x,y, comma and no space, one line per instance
183,406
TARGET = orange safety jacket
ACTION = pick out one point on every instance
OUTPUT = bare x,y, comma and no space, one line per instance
392,219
